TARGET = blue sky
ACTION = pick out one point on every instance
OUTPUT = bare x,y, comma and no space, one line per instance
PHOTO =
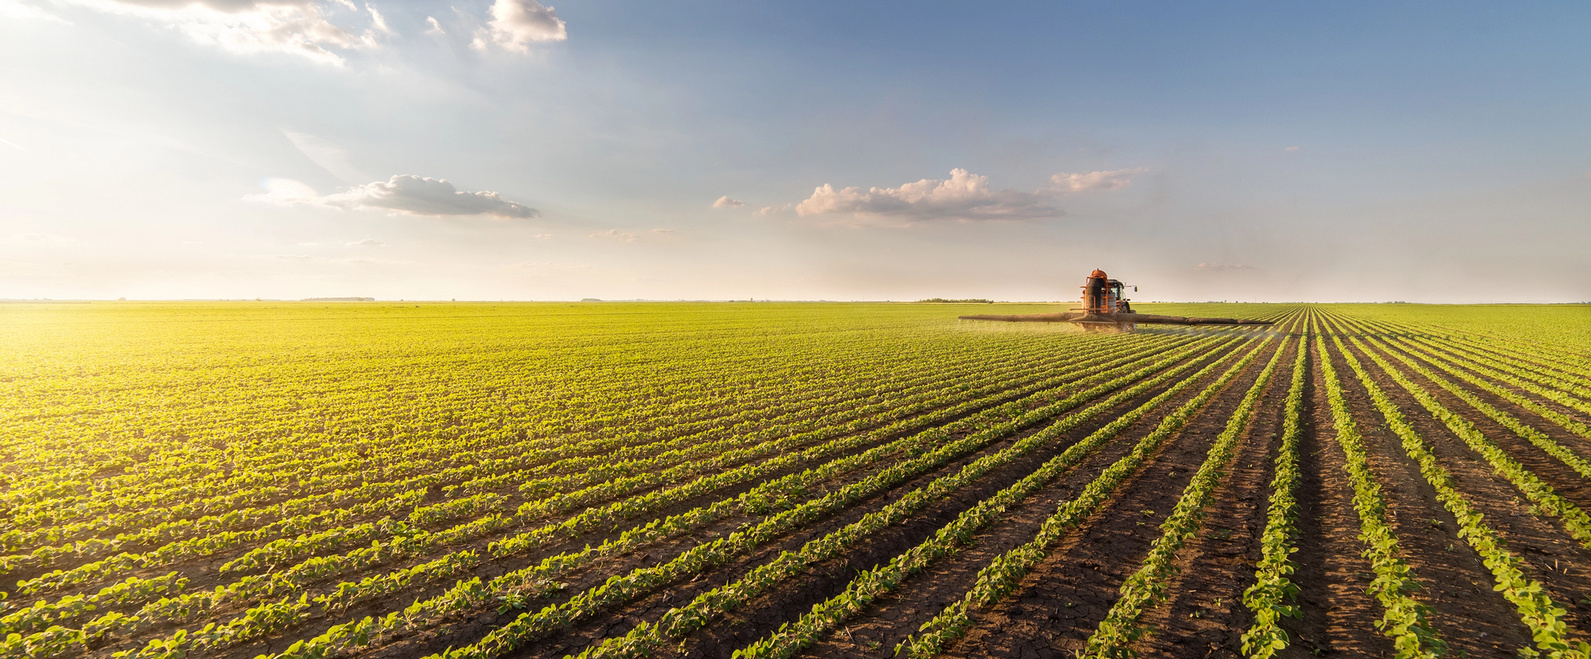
241,148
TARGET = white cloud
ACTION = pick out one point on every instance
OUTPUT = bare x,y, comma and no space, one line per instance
726,202
964,196
417,195
515,24
403,193
368,242
1117,179
299,27
615,234
378,23
327,155
433,27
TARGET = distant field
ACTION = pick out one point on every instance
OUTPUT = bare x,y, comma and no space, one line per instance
790,479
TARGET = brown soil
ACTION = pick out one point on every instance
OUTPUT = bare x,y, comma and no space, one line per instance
578,581
1581,445
1063,599
1337,616
1469,615
725,635
1563,479
877,631
1204,615
204,574
1550,554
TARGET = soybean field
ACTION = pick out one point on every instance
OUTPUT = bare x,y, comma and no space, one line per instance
758,480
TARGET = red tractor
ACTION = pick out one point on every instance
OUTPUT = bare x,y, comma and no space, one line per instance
1105,307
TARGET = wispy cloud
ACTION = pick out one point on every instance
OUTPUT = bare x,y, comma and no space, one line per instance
726,202
615,234
324,153
1221,267
403,193
964,196
298,27
1116,179
1295,149
368,242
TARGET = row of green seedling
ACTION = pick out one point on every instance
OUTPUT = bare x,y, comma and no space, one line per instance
1005,572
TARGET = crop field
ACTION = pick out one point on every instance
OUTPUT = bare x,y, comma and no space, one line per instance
304,480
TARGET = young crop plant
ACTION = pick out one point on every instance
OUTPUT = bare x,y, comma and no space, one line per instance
825,616
1563,454
1273,586
1002,576
1574,520
1403,619
184,608
1454,364
304,480
1536,610
649,636
1147,587
1012,418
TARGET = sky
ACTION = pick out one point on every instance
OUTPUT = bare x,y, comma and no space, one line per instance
506,149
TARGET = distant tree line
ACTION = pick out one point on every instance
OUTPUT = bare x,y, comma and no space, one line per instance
970,300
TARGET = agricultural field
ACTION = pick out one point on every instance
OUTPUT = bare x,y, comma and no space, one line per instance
304,480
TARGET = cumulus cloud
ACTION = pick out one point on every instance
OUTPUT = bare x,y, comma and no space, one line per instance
726,202
963,196
403,193
299,27
515,24
1117,179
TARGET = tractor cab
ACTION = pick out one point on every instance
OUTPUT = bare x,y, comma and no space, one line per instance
1103,295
